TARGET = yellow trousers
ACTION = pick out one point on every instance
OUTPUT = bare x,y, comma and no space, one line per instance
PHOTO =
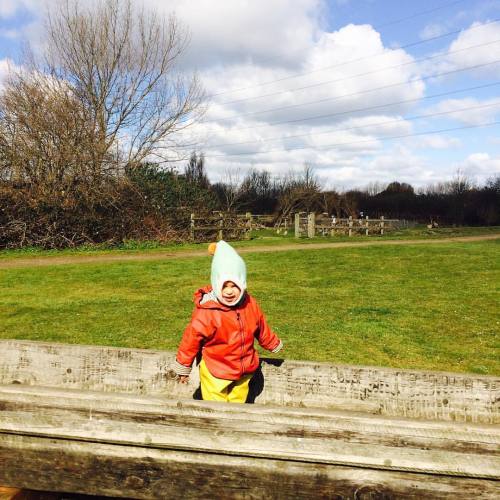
217,389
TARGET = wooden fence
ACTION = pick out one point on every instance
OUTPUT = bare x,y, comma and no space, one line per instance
220,226
228,226
311,225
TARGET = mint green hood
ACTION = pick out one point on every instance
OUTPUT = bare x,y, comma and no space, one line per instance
227,265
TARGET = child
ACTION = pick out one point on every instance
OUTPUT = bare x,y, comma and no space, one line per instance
225,322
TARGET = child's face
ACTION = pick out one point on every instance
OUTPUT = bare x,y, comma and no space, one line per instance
230,292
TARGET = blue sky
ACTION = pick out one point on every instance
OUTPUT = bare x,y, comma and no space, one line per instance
273,67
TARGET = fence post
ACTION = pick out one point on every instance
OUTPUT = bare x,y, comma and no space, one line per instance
286,226
350,225
297,225
332,225
248,225
191,227
367,225
221,226
382,224
311,225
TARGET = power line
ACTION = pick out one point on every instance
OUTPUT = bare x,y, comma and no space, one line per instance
371,90
329,146
412,44
373,124
416,61
389,23
418,14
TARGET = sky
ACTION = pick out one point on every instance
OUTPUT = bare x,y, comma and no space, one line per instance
363,91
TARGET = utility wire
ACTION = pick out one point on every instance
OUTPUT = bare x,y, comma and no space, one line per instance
357,127
378,26
364,58
297,120
418,14
329,146
416,61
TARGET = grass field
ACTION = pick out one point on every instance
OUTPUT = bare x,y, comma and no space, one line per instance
409,306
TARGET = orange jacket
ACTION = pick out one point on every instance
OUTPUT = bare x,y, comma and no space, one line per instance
226,336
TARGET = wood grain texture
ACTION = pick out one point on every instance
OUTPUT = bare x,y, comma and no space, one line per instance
152,447
328,437
384,391
150,473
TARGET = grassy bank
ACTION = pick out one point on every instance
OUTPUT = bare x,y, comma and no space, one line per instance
406,306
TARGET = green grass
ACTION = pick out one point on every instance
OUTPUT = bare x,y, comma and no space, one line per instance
262,237
427,307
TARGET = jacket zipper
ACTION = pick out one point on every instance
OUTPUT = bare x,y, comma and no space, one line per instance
242,337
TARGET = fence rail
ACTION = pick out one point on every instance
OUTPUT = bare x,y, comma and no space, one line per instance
220,226
225,225
311,225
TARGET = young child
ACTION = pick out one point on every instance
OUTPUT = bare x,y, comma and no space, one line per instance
225,322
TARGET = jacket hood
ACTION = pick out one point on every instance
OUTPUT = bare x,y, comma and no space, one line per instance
205,298
227,265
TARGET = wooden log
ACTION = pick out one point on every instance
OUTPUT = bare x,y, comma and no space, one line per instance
117,444
386,391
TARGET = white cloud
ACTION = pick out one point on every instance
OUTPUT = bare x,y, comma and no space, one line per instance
234,31
435,142
8,8
6,66
229,122
432,30
480,112
238,44
477,45
9,33
479,166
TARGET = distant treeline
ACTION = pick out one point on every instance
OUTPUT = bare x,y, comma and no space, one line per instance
147,201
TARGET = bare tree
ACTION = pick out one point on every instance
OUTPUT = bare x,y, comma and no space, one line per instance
374,188
229,190
103,98
460,183
299,191
45,137
121,64
330,200
195,171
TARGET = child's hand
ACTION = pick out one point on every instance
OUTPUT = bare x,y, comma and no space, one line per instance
183,379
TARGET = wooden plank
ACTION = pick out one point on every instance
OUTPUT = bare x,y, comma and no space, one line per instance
82,467
317,437
385,391
75,433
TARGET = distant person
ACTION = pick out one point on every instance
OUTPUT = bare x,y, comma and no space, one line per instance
224,325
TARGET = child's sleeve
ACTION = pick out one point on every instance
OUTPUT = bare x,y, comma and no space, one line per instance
266,337
193,337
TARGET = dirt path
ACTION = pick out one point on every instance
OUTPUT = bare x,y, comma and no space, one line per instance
161,255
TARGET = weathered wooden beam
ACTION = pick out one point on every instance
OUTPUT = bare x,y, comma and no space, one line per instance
385,391
147,447
131,471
